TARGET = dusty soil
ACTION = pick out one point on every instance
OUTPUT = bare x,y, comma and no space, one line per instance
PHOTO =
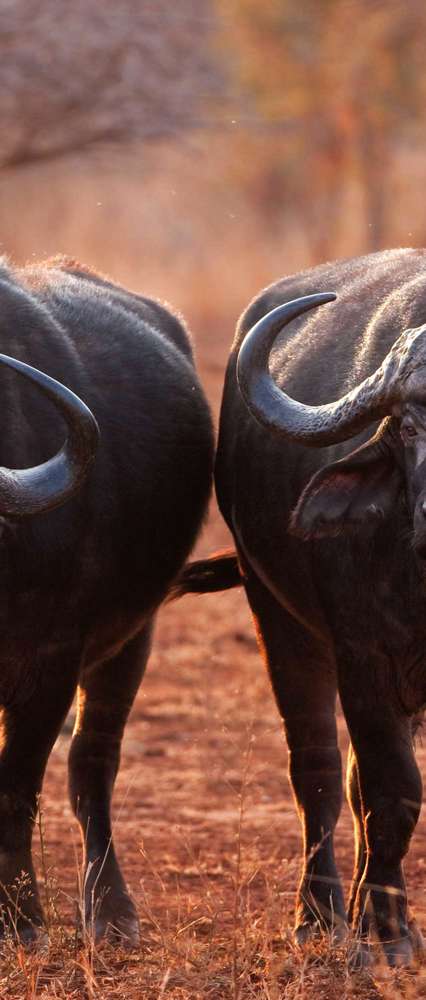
204,823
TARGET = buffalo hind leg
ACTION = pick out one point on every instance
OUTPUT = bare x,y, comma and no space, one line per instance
29,730
390,791
304,684
106,694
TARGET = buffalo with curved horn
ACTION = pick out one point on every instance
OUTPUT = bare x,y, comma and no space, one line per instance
321,476
86,554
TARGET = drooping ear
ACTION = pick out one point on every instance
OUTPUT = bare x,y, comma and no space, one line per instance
349,493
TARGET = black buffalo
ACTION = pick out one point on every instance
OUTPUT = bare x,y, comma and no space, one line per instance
80,584
327,505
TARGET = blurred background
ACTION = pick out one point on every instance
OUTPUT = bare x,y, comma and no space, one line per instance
198,150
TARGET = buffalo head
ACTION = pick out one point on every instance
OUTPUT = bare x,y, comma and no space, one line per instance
364,485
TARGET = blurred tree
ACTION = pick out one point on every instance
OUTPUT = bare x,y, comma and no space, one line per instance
75,73
338,84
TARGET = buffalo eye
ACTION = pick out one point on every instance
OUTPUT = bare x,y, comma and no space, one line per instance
408,431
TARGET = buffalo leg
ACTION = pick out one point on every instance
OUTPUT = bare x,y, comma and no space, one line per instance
30,728
354,798
391,792
304,684
106,695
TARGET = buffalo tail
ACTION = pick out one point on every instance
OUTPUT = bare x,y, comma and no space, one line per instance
206,576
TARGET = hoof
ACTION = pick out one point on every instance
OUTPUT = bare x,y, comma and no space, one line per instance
31,936
361,956
309,931
399,954
121,931
115,921
34,937
306,932
418,942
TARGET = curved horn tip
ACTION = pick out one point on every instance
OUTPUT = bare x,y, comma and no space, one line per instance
316,299
30,491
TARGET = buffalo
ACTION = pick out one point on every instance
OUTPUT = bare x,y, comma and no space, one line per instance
321,477
81,581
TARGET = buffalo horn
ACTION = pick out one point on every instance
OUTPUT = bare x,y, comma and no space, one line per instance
312,425
24,492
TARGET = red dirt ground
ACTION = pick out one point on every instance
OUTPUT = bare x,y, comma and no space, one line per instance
213,899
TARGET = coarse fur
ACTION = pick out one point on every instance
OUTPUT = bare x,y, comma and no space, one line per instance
80,585
332,559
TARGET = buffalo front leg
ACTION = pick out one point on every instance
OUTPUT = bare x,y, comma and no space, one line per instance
304,684
30,728
390,793
106,695
354,798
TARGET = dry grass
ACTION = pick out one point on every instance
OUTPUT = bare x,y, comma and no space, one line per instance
208,839
215,902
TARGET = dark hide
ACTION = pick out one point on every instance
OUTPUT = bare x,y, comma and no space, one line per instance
328,540
79,586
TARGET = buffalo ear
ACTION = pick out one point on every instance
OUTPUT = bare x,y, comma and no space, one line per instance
349,493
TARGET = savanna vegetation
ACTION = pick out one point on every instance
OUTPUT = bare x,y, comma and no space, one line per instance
196,153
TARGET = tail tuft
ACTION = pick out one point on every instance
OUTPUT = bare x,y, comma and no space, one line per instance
206,576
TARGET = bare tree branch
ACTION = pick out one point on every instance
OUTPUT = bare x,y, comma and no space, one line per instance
72,74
